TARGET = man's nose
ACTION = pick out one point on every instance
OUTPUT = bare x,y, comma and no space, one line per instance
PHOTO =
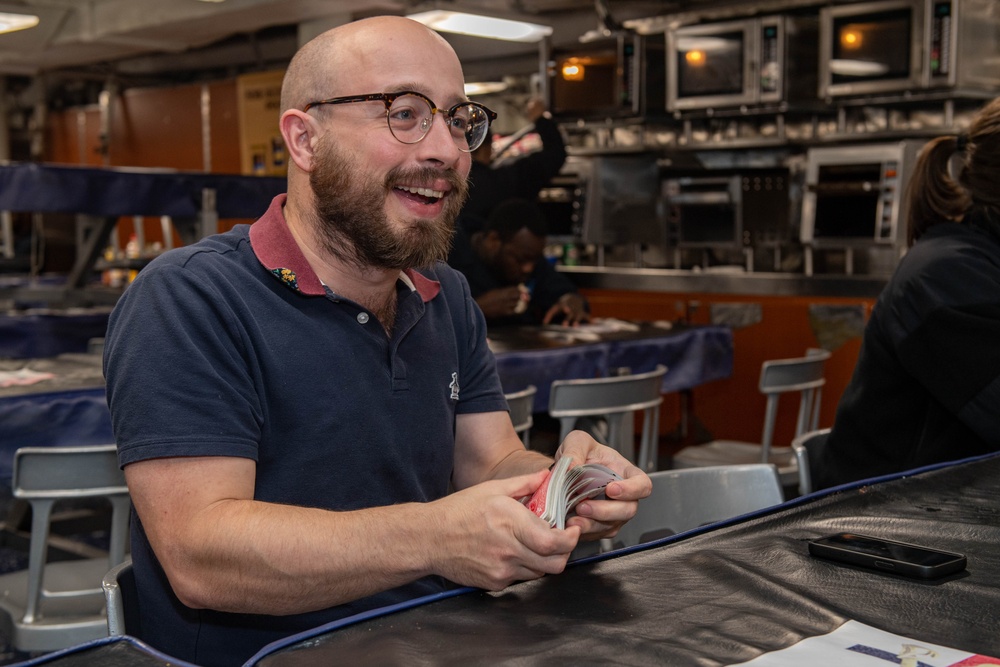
439,144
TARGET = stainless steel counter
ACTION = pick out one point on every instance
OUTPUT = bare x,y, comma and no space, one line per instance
762,284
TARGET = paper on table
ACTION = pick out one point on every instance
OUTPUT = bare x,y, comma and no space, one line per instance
23,376
858,645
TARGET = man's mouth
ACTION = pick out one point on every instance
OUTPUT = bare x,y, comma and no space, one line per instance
428,195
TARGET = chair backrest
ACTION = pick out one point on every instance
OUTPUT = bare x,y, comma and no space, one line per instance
781,376
802,445
686,498
521,405
44,475
122,601
616,399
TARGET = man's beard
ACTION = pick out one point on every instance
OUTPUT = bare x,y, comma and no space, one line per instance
354,226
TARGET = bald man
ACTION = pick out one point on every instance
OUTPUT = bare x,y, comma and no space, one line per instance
295,399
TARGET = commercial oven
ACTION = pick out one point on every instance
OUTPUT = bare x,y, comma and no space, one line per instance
909,45
855,200
736,214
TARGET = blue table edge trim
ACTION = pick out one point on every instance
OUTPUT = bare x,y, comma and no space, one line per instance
794,502
356,618
97,643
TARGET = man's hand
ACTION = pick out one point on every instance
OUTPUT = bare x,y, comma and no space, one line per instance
490,540
503,302
572,307
598,519
534,109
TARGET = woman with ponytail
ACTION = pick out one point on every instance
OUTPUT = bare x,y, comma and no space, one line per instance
926,388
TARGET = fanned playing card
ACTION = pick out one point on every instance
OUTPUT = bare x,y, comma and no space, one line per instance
567,487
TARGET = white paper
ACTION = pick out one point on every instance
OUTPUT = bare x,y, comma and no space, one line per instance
855,644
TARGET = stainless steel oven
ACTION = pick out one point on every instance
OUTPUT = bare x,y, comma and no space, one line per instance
747,61
739,215
909,45
855,200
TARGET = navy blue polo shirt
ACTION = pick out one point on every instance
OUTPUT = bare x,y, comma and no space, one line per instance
233,347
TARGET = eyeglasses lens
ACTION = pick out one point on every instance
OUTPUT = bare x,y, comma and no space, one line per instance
410,119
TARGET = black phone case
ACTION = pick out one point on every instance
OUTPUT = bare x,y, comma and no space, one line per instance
951,562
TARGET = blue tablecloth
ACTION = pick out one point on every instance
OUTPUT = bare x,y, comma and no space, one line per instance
36,187
692,355
68,409
72,407
47,333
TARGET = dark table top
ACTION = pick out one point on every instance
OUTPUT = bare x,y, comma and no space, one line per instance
718,595
715,596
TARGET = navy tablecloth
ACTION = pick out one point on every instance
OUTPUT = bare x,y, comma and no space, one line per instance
51,188
692,355
39,333
68,409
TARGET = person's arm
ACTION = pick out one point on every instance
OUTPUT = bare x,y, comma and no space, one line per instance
223,550
487,448
554,294
526,175
502,302
571,306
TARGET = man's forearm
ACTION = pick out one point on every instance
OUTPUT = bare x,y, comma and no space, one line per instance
247,556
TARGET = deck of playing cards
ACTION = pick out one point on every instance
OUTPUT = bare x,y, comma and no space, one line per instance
566,487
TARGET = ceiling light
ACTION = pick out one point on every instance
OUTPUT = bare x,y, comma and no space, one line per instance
484,88
444,20
12,22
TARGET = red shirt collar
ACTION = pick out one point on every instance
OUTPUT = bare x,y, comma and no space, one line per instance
277,251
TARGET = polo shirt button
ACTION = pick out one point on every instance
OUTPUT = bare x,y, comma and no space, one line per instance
362,318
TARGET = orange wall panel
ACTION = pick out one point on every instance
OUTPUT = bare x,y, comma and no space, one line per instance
734,408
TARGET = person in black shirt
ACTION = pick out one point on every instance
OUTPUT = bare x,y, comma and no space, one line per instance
508,274
490,184
927,383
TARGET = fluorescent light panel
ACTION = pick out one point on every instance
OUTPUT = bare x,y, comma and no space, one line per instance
484,88
13,22
481,26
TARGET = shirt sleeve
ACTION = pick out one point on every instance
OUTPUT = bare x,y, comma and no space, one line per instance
178,380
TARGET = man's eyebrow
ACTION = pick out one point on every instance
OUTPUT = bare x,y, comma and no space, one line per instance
417,88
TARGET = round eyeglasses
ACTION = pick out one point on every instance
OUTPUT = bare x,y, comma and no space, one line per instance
410,114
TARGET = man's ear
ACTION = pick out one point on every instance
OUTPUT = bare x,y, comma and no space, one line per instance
300,132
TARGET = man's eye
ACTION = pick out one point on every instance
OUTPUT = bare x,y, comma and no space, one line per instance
404,114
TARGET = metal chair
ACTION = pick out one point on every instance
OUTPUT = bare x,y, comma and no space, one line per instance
615,399
122,601
521,405
801,446
54,605
802,375
692,497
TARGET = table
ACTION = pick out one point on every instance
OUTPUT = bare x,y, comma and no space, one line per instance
195,201
716,595
109,652
69,409
46,332
713,596
72,408
693,355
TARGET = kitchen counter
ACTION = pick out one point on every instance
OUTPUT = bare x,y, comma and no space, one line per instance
724,282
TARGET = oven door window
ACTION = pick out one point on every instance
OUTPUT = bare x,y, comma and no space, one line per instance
710,64
872,47
847,201
707,225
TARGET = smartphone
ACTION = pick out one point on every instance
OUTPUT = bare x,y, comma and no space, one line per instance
909,560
